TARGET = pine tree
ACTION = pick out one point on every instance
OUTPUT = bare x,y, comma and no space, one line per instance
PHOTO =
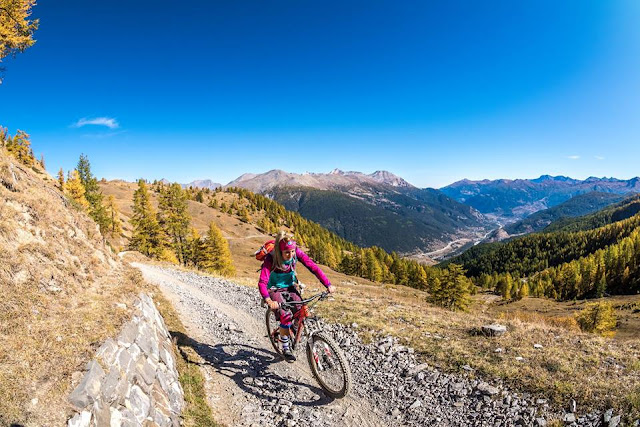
93,194
174,218
115,225
75,190
216,256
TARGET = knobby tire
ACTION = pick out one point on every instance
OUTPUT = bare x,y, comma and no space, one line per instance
342,362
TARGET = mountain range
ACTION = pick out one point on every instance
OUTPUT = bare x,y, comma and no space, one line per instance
382,209
378,209
509,200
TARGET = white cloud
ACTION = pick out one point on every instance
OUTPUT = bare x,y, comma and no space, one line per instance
573,157
598,157
109,122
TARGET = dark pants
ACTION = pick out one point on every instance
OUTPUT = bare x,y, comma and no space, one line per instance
285,316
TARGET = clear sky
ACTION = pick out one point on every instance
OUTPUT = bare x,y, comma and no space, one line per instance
432,91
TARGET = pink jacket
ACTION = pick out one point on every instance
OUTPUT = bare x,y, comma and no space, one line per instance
267,266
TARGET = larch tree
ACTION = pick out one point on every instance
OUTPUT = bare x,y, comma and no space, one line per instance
20,147
216,256
16,29
174,219
147,237
115,225
75,190
61,179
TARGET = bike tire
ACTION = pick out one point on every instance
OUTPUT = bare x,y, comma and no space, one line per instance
343,389
273,332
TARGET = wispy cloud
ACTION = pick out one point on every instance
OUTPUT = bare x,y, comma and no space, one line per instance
573,157
109,122
598,157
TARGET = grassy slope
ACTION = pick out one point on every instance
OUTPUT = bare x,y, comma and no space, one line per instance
59,285
571,364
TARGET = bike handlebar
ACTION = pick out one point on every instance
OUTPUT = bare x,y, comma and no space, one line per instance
319,297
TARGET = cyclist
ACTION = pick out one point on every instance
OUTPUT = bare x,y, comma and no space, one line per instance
278,276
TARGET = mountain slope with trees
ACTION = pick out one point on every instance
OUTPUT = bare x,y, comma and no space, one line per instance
377,209
580,205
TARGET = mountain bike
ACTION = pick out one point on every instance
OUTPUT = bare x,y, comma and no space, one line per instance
327,361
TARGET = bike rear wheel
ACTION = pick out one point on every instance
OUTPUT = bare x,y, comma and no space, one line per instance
329,365
273,331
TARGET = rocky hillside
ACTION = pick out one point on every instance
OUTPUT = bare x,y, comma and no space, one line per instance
63,292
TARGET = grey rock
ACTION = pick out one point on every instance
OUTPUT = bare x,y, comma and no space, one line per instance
494,330
541,422
416,369
147,369
101,413
487,389
89,388
125,361
128,334
615,421
415,404
569,418
82,419
128,418
606,417
139,403
109,384
107,351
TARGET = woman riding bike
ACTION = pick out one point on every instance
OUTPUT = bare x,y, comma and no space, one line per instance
278,277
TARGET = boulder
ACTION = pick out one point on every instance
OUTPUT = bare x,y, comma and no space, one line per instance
494,330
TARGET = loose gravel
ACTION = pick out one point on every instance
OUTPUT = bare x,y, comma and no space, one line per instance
391,387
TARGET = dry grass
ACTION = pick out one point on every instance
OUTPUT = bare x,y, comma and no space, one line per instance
59,285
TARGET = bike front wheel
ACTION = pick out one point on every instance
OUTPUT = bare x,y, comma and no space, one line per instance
273,331
329,365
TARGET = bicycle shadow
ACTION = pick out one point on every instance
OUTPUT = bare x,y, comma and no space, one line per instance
248,367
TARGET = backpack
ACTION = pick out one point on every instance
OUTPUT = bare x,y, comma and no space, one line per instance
262,253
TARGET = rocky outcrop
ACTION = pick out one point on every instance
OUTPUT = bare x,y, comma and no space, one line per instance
132,379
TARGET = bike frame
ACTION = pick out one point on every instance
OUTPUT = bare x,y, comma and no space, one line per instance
302,315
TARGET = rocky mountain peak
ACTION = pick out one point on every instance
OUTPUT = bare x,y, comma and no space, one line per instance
387,177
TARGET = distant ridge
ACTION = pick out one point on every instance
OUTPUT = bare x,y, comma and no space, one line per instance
513,199
336,179
200,183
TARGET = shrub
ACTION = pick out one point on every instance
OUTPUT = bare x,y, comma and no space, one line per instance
598,317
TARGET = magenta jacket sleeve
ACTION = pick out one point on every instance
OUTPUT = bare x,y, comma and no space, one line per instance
265,273
307,262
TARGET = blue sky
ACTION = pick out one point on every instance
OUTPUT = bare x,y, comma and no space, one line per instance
434,92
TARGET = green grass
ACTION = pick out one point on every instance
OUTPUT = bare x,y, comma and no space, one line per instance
196,412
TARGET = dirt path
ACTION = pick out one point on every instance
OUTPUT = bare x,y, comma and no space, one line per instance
248,384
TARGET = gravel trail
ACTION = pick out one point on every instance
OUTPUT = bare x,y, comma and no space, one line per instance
249,385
